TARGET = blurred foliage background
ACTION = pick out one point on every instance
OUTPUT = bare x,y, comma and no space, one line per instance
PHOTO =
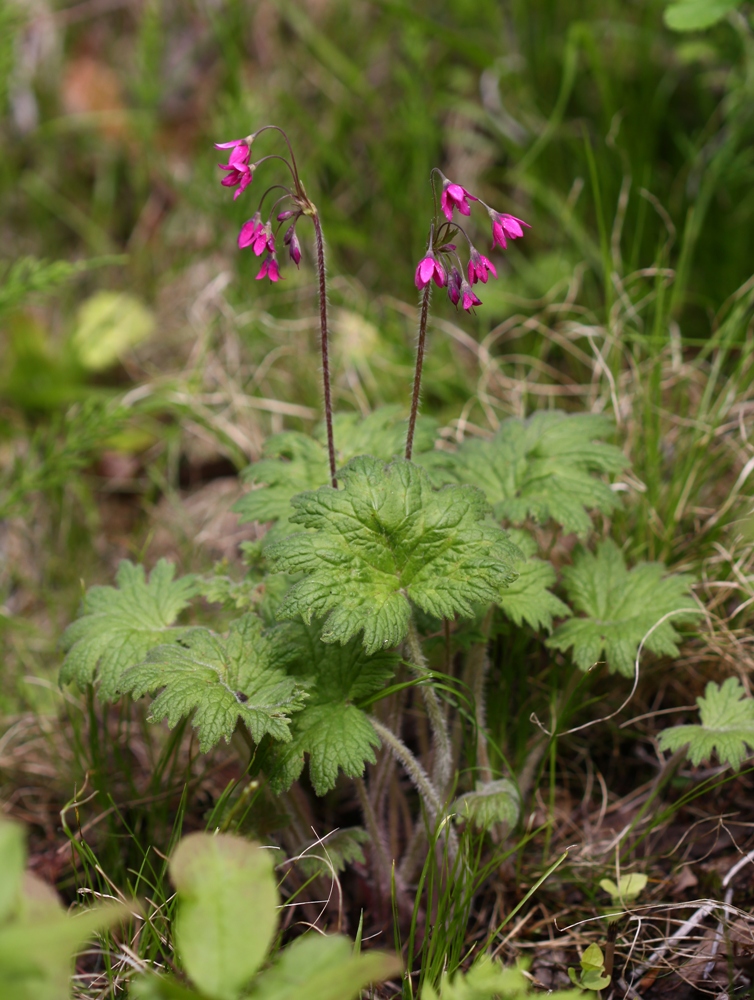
140,363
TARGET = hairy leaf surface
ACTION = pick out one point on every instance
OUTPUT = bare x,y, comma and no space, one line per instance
387,539
220,680
294,462
528,598
331,729
620,607
543,468
118,626
726,727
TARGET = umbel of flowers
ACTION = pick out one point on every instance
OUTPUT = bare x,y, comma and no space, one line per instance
440,264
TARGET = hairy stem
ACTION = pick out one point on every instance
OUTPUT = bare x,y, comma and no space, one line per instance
381,855
325,352
477,667
418,372
419,777
443,756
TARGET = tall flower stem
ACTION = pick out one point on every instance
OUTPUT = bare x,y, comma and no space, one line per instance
443,763
418,373
325,352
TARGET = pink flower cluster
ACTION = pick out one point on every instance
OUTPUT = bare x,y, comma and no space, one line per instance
254,233
434,267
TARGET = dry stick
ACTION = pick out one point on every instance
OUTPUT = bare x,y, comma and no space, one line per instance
443,762
418,372
325,354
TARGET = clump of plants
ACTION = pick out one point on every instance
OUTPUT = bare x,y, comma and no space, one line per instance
359,640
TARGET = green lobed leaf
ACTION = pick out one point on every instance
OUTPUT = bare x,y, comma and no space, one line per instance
118,627
294,462
528,598
385,540
619,608
219,681
726,727
490,803
543,468
227,910
334,733
323,967
696,15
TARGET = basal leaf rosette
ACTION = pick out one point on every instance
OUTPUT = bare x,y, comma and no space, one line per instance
388,540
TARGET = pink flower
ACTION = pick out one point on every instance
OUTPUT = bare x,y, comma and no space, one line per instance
240,171
250,231
454,196
291,241
504,225
469,298
428,269
270,269
256,235
478,267
454,286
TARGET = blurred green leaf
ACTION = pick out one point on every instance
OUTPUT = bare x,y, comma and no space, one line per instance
109,323
227,910
695,15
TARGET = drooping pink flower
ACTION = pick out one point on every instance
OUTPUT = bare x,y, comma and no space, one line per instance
455,196
294,247
504,225
454,286
429,269
270,269
469,297
257,235
478,267
250,231
240,171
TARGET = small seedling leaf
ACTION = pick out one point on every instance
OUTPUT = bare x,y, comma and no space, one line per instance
489,804
628,888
